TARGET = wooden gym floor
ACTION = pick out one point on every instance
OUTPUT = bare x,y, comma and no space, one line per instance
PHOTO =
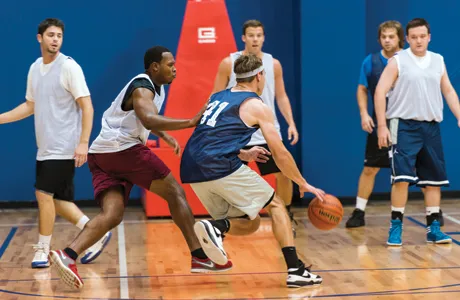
148,259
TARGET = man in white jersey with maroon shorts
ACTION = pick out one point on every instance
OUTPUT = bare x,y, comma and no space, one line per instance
417,79
119,159
59,98
253,37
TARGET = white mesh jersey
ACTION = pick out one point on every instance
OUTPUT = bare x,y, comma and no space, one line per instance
123,129
417,91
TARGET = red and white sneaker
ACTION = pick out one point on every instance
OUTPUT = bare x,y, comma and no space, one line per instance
66,268
206,265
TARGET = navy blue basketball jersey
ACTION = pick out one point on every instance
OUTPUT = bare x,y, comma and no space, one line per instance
212,150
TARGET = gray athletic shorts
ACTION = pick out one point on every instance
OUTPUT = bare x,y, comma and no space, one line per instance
244,192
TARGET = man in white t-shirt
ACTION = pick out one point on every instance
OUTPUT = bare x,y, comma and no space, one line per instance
58,96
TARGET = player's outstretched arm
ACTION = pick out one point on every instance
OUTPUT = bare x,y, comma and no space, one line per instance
148,113
255,112
22,111
170,140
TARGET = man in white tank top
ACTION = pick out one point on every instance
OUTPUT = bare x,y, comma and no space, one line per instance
119,159
59,98
418,79
253,37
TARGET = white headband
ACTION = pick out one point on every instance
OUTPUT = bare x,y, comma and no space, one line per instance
249,74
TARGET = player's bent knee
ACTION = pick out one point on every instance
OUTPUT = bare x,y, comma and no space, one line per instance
370,171
113,219
113,205
276,202
401,184
175,192
43,196
169,189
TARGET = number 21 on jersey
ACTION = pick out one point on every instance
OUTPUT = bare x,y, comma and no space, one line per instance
213,112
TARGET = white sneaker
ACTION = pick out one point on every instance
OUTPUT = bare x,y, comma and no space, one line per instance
95,250
301,277
210,239
41,256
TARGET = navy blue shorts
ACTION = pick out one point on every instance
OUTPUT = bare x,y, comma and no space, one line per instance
416,155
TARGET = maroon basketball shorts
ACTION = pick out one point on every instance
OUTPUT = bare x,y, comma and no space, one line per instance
137,165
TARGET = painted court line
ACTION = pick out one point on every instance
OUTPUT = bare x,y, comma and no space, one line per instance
424,226
239,274
413,291
450,218
7,240
124,288
165,220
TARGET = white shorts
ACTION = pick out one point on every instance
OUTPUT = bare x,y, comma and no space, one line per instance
244,192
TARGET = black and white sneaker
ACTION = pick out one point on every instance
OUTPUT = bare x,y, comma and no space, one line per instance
301,277
211,241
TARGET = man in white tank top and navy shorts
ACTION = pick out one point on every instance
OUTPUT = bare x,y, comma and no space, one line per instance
59,98
417,79
119,158
253,37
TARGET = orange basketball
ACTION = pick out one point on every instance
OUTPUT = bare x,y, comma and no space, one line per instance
325,215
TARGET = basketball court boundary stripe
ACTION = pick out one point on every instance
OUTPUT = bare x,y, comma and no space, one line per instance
164,221
413,291
7,240
452,219
417,222
124,287
238,274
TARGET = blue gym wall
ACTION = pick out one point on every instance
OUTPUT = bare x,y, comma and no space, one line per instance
321,45
108,39
332,48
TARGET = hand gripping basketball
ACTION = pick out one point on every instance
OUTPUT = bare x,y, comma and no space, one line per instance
306,188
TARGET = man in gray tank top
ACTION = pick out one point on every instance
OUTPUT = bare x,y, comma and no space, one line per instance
253,38
418,79
59,98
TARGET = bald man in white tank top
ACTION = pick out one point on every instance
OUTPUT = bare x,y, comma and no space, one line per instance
415,109
253,37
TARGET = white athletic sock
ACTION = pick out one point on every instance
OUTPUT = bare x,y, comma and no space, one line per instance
361,203
44,239
399,209
81,224
432,210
